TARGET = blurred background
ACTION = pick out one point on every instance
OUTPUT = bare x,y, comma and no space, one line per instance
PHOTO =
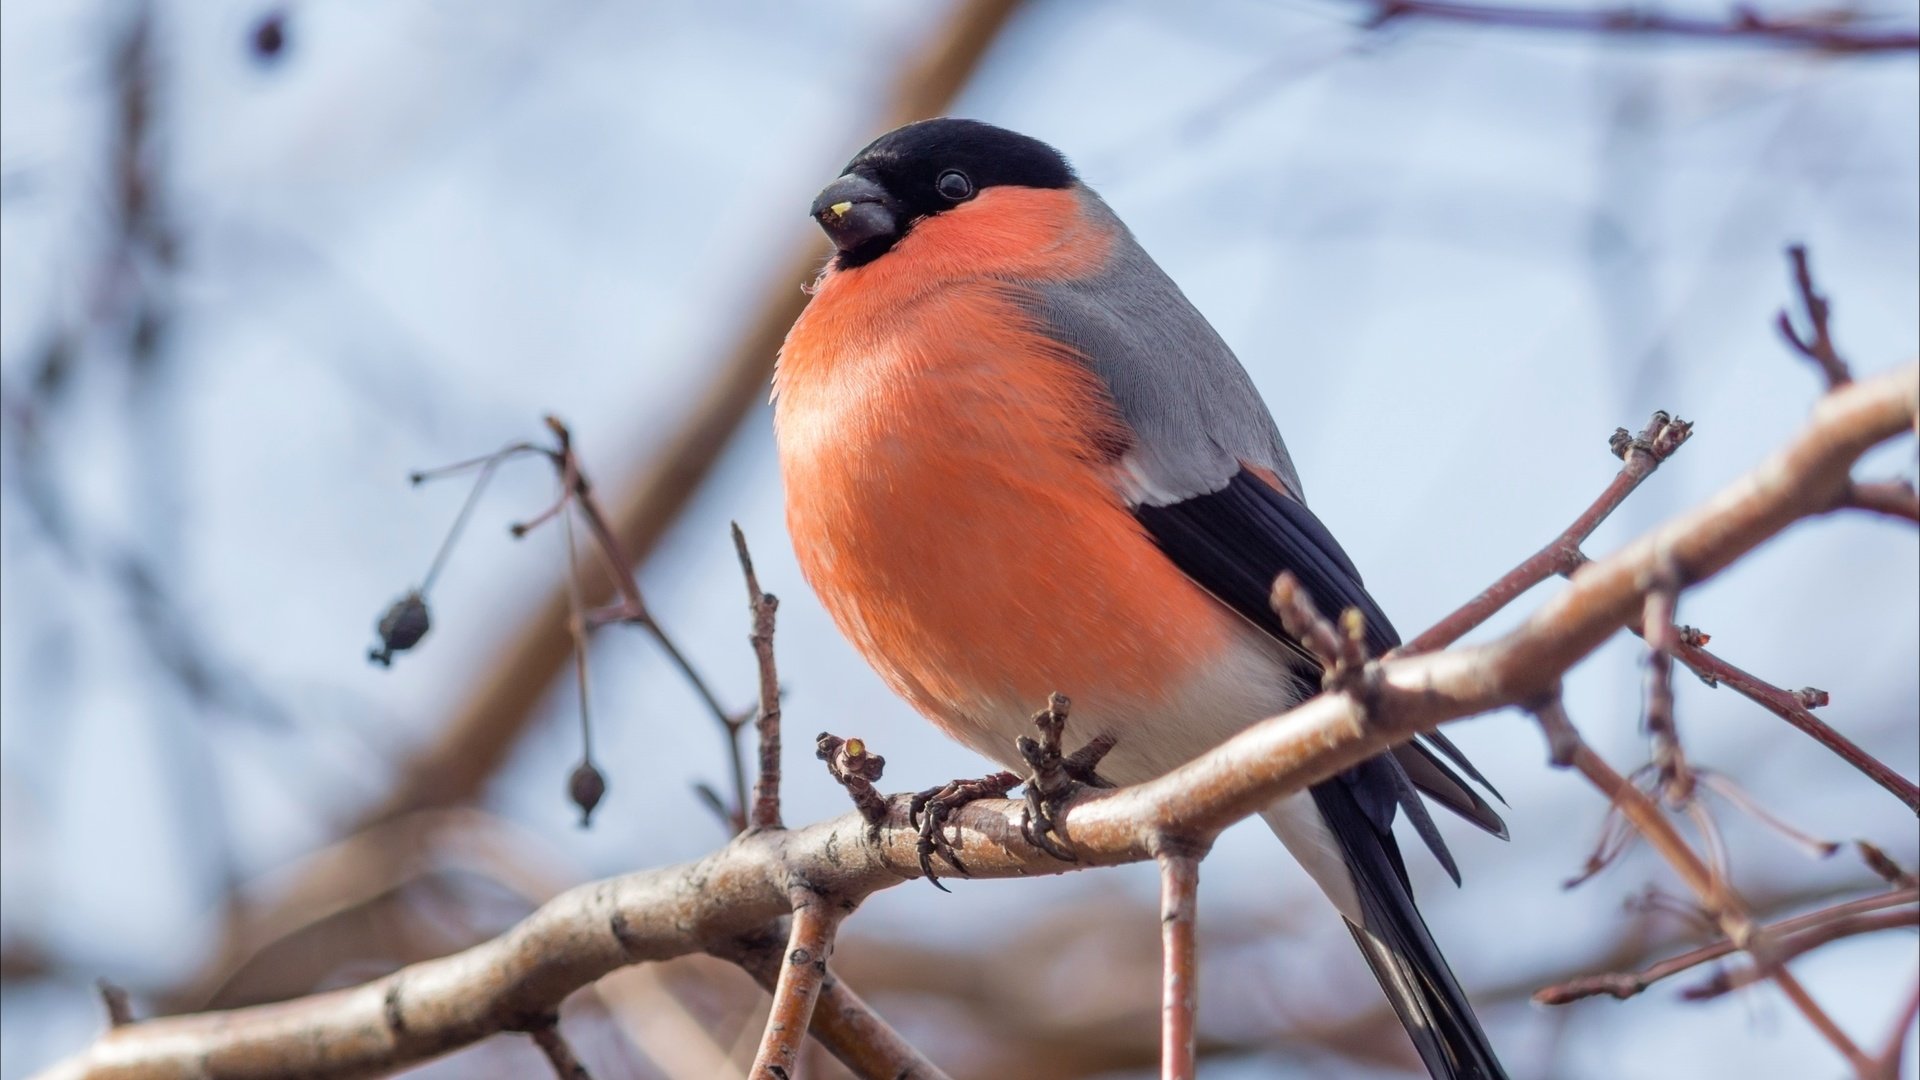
261,261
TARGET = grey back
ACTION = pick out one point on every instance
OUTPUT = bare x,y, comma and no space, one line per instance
1194,412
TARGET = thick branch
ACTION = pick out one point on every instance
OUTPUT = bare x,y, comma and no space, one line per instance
430,1008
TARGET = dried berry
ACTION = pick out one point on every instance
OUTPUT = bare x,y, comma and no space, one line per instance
586,787
401,628
269,37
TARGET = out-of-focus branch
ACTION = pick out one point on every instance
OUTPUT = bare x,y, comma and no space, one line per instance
1817,344
1716,895
1894,498
1626,984
1833,31
545,1033
1780,950
433,1007
1887,1064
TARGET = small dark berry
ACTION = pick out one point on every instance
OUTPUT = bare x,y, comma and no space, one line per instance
269,38
401,628
586,787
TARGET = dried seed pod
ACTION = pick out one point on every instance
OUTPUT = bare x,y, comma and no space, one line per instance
401,628
586,787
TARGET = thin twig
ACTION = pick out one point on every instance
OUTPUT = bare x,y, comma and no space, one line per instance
1641,454
1822,31
1675,779
1715,893
1817,345
1893,498
1180,963
1791,708
809,943
114,997
843,1023
1781,949
1626,984
586,785
546,1035
763,605
1887,1064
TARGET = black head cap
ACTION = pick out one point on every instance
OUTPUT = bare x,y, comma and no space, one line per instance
921,169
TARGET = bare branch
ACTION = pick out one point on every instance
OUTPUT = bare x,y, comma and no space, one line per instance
1715,893
766,786
433,1007
1180,963
1887,1065
1894,498
1641,455
1817,345
546,1035
1831,31
815,922
1796,709
114,997
1782,949
1626,984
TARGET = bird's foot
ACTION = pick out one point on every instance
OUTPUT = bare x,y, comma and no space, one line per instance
929,809
1056,777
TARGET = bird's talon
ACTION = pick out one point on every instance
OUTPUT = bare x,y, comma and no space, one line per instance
928,812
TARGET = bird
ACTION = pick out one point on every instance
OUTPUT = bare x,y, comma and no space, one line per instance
1017,461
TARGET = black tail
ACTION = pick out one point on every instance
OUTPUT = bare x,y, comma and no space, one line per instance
1395,941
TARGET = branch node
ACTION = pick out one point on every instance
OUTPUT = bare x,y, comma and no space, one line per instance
545,1032
1811,697
114,997
1817,345
855,768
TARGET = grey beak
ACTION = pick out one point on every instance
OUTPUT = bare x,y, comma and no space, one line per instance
855,211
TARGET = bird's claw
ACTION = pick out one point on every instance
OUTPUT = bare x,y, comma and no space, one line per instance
1056,776
929,809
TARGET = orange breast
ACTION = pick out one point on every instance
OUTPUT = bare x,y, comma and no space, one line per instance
947,496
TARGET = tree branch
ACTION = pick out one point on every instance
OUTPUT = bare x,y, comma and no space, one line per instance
546,1035
1824,31
1180,964
433,1007
1625,984
1640,454
803,971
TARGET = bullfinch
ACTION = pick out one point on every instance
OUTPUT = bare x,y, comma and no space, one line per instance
1018,461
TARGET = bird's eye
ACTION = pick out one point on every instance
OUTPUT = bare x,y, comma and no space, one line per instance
954,186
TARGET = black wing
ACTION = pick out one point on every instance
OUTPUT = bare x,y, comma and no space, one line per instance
1233,543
